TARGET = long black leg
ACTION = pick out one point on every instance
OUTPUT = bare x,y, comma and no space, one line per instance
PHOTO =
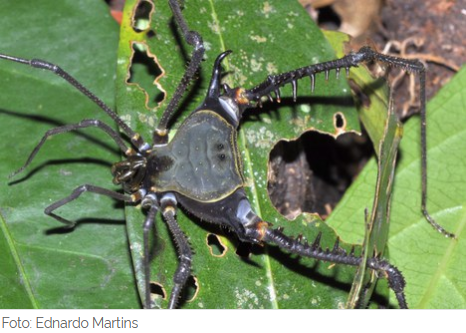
148,225
192,38
255,230
236,212
260,231
68,128
337,255
274,82
248,97
76,193
37,63
183,271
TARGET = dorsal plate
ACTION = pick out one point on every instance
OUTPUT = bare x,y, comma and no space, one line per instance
202,160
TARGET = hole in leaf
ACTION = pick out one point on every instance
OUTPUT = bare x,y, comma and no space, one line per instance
191,289
158,290
339,121
328,18
312,173
216,247
142,16
150,33
145,72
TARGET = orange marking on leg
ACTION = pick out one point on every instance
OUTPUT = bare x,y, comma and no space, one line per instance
240,97
262,227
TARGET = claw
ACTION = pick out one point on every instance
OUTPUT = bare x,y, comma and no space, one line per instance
299,238
316,243
294,83
336,246
313,82
277,95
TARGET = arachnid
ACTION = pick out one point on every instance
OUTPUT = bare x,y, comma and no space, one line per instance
146,173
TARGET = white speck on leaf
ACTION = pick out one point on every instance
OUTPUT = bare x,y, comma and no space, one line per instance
267,9
256,65
271,68
258,38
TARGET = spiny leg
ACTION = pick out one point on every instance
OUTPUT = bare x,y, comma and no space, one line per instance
37,63
192,38
168,204
249,97
258,231
273,83
236,213
72,127
77,193
337,255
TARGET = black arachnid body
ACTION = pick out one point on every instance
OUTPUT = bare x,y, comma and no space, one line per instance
200,167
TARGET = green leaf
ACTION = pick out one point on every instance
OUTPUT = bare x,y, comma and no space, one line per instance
376,234
432,265
373,112
42,266
266,37
436,265
76,269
